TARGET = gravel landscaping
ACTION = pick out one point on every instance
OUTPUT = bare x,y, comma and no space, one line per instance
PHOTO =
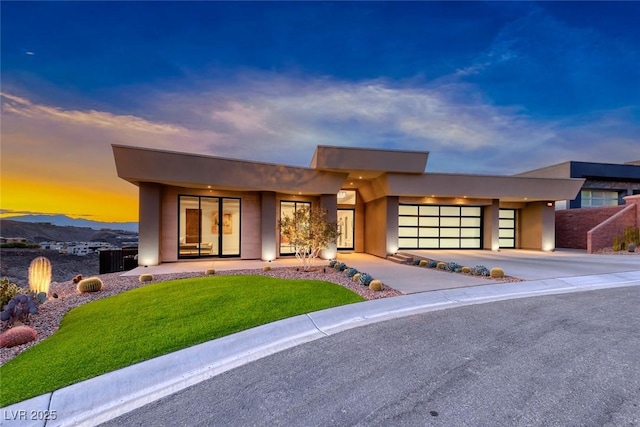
47,321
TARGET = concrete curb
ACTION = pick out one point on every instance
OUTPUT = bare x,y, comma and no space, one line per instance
108,396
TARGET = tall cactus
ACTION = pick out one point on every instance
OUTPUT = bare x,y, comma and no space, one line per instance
40,275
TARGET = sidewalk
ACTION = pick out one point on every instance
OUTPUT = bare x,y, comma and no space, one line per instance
103,398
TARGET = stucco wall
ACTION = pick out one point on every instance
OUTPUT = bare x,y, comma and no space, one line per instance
375,213
537,227
572,225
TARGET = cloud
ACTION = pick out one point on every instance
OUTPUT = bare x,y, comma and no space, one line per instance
281,119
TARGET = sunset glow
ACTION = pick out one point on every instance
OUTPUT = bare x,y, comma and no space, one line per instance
485,87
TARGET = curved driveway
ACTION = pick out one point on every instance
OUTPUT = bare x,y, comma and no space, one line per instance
569,359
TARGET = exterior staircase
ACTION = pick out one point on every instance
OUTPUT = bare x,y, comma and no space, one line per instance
400,258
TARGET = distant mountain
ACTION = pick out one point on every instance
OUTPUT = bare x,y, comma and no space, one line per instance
65,221
36,232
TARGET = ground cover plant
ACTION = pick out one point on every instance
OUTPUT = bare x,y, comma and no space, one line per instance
157,319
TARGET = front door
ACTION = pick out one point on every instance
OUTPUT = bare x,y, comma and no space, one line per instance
346,228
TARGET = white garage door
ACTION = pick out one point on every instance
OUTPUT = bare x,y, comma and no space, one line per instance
439,227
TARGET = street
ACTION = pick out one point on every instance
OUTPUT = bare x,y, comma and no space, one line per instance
570,359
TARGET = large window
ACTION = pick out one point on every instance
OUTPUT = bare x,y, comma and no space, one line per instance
439,227
507,231
208,226
591,198
288,209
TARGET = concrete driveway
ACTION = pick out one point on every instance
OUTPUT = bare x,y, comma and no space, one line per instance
538,265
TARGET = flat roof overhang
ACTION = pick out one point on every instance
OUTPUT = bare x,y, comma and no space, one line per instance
138,165
368,163
504,188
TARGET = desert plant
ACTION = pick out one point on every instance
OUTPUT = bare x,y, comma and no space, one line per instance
91,284
17,335
480,270
617,243
76,279
40,275
376,285
8,290
19,308
365,279
341,266
423,263
441,265
351,272
145,278
466,270
433,263
453,267
631,235
266,268
333,263
308,232
496,273
210,272
356,277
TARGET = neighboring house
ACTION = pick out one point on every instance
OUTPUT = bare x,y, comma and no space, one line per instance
606,184
4,240
195,206
602,209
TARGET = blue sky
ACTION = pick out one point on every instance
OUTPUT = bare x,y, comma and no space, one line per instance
486,87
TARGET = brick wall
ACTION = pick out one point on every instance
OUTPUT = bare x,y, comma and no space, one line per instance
601,236
572,225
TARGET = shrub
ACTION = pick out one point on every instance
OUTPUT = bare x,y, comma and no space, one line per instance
433,263
356,277
210,272
76,279
40,275
417,261
631,247
266,268
19,308
342,266
351,272
441,265
17,335
332,263
145,278
496,273
423,263
466,270
453,267
365,279
376,285
92,284
480,270
8,290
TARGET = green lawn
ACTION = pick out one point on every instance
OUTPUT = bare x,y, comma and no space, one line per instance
153,320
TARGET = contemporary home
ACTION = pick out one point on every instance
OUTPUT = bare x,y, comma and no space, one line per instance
606,184
196,206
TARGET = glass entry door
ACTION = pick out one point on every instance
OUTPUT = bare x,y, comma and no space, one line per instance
346,228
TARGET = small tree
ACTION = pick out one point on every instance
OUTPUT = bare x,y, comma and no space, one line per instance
308,232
